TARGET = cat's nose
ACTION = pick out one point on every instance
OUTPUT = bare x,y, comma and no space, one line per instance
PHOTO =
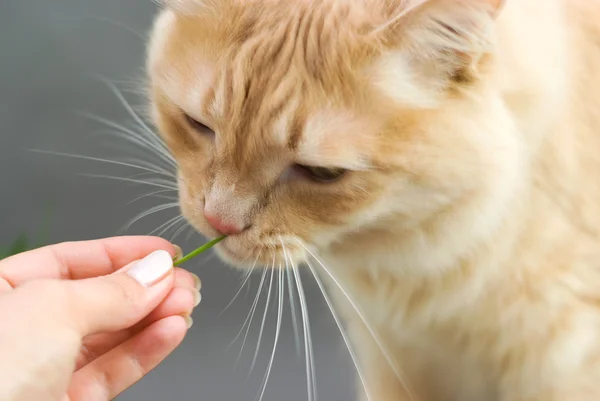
222,226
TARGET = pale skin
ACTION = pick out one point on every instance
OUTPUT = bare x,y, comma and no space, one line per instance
86,320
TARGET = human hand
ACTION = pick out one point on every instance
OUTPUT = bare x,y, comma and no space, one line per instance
85,321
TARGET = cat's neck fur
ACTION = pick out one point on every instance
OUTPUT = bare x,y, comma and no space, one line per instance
440,283
550,95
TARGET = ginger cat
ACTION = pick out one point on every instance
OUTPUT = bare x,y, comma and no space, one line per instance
439,158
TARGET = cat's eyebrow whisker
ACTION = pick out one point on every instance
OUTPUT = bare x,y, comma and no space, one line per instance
152,137
340,326
361,315
128,107
264,318
157,146
142,142
281,289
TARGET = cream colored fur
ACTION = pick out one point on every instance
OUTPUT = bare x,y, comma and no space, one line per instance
466,232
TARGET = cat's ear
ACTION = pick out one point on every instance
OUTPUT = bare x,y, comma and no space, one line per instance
445,37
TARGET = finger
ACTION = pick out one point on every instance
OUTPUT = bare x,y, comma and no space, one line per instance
119,369
78,260
184,278
120,300
180,301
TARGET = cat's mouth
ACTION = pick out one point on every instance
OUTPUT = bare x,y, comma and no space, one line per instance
272,252
253,248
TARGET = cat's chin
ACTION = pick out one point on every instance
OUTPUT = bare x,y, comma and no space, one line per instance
229,256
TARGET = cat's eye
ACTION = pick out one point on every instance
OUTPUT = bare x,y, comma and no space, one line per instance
198,126
322,174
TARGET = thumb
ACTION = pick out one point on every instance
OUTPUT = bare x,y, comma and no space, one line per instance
120,300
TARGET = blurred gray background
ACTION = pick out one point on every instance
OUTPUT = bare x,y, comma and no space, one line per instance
51,53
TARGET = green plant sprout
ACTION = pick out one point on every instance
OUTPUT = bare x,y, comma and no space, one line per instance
21,244
198,251
24,244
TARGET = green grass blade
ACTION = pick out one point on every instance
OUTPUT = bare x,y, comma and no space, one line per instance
20,245
198,251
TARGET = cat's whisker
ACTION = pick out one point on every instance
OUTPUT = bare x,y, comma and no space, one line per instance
249,312
184,225
308,349
190,234
244,281
163,228
340,326
292,303
264,318
151,179
134,181
252,312
116,24
162,191
281,288
209,258
361,315
288,275
168,171
108,161
148,212
155,180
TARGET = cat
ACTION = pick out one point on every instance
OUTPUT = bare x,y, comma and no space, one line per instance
436,162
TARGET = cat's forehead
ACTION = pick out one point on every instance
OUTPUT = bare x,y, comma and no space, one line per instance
264,81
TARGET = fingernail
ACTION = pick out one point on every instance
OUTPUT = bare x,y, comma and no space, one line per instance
188,320
152,268
178,252
197,296
197,282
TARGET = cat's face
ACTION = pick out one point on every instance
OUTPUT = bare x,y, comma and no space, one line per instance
298,120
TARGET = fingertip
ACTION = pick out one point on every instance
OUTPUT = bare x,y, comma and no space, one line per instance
152,269
184,278
172,329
